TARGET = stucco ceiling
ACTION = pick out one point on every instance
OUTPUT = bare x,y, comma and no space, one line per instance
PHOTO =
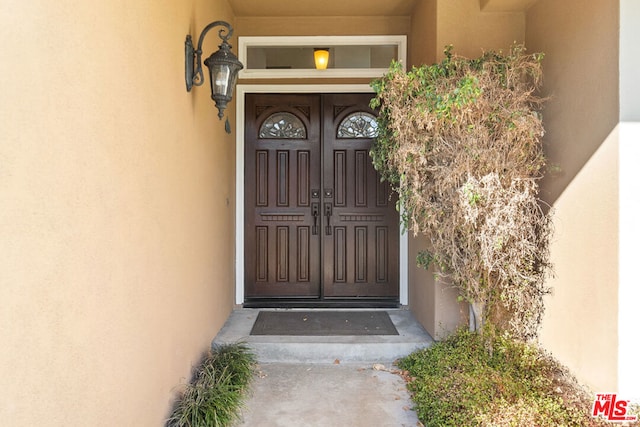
505,5
322,7
353,7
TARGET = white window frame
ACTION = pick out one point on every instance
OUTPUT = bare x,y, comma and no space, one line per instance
244,43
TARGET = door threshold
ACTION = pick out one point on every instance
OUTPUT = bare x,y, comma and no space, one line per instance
302,303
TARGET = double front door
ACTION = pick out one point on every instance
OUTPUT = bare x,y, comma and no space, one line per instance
319,224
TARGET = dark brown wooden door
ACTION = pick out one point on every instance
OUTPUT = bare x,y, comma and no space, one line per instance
282,168
361,233
319,224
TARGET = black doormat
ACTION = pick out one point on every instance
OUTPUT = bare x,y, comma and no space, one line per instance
315,323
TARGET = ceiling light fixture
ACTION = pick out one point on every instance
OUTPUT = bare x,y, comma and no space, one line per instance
321,57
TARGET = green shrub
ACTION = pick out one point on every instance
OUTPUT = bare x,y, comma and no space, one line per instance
489,379
215,395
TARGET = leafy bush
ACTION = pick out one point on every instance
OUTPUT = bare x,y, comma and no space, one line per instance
215,395
460,142
490,379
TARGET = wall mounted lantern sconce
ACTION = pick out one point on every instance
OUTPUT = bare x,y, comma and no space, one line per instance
223,66
321,57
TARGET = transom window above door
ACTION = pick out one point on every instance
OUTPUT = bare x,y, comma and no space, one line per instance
293,57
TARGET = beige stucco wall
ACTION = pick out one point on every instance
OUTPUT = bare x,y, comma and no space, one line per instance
116,268
461,24
432,301
424,33
436,24
580,41
628,237
322,25
581,320
471,31
629,227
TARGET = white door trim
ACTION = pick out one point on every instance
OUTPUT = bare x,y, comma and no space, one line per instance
241,91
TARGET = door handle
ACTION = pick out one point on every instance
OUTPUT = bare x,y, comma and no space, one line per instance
315,213
328,211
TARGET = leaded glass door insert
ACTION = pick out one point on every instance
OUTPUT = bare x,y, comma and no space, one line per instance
282,125
358,125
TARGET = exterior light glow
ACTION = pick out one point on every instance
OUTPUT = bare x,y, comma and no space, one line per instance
321,57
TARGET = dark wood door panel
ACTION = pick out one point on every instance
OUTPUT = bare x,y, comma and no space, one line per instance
360,247
282,145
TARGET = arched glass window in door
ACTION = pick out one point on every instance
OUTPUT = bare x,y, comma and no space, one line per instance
358,125
283,125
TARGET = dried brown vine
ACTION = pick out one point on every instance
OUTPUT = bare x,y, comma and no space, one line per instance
460,142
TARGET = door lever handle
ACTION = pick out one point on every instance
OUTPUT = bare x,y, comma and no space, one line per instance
315,212
328,211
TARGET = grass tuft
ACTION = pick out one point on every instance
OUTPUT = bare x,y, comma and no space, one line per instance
215,395
489,379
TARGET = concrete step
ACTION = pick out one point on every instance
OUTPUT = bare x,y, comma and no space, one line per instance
327,349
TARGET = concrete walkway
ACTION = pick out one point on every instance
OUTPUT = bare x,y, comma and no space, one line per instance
349,395
332,381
